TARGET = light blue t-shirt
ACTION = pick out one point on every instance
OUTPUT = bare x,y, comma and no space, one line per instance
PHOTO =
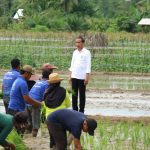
8,80
18,90
38,90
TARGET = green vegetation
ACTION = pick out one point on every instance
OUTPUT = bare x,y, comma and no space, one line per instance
115,52
119,135
75,15
13,137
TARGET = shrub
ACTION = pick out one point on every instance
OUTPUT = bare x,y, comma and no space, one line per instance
126,23
30,23
56,24
4,22
17,26
100,24
76,23
40,28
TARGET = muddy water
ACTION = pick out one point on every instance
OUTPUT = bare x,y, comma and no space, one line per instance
115,103
105,81
118,103
116,100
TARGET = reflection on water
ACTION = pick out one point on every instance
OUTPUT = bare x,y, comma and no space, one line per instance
112,82
118,82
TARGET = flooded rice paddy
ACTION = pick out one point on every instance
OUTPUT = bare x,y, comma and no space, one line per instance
116,95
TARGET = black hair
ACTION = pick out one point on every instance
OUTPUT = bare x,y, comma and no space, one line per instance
20,117
46,73
81,37
22,71
15,63
30,84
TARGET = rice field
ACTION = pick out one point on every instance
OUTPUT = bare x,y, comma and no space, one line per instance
123,53
118,136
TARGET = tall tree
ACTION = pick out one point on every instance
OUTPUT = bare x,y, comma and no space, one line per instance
144,7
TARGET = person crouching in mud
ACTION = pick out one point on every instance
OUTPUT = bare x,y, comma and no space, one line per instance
7,122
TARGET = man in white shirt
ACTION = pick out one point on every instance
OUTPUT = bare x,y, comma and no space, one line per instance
79,74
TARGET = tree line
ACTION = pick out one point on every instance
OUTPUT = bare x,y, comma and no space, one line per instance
75,15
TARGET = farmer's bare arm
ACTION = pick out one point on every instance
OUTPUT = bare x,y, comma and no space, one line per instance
77,144
69,78
31,101
86,81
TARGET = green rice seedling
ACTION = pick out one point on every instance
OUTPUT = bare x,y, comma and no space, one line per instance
103,143
117,136
13,137
125,128
146,137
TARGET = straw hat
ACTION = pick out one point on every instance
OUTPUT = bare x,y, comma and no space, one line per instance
54,78
48,66
28,68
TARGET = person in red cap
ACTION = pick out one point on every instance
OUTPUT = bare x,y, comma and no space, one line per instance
37,92
48,66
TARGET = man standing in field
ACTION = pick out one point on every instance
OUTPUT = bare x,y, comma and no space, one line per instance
8,80
79,73
19,92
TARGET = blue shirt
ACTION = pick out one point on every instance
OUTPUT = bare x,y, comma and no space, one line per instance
38,90
71,120
18,90
8,80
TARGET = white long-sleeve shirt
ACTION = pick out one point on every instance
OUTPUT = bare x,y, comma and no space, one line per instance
80,64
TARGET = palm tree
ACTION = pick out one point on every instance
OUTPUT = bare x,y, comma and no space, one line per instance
68,4
143,5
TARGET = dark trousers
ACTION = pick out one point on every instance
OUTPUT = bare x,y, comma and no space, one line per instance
57,136
6,107
12,112
6,99
78,86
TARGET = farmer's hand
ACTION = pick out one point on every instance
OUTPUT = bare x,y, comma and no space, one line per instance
10,146
69,79
86,81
